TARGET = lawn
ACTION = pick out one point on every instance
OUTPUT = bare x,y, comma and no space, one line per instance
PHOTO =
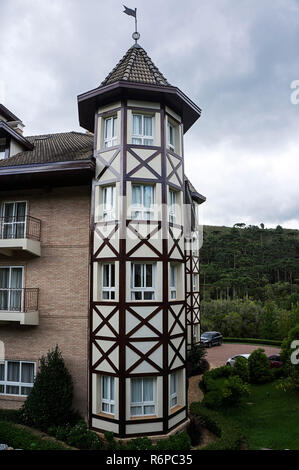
271,420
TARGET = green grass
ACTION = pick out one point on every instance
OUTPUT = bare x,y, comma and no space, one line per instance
271,421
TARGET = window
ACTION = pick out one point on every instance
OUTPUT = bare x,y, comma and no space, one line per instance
171,137
3,148
142,282
172,204
194,281
13,220
107,394
142,202
16,377
11,283
143,130
143,397
173,390
110,132
173,281
108,282
196,333
109,203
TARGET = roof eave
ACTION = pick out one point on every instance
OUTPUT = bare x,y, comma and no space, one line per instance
88,102
18,137
8,114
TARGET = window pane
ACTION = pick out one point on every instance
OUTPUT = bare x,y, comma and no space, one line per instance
148,390
27,373
114,130
136,195
4,278
138,275
148,196
13,371
20,211
136,410
25,391
136,390
106,276
112,296
105,295
149,275
172,276
149,410
112,275
11,390
2,369
108,128
148,126
1,386
105,407
148,142
137,124
136,141
112,388
105,388
149,295
136,296
173,384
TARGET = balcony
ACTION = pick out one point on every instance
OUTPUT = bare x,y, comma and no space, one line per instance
19,306
21,233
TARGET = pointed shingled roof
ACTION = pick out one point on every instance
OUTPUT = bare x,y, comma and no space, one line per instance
136,66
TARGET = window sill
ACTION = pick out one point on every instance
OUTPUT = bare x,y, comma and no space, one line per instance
106,415
175,409
138,418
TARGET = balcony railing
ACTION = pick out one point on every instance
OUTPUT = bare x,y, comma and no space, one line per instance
12,228
19,300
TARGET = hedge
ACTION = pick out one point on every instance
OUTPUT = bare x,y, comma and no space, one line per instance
229,436
264,342
20,438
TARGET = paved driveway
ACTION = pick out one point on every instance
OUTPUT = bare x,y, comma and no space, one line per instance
218,355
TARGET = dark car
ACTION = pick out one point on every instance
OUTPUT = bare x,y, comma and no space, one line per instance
275,361
211,338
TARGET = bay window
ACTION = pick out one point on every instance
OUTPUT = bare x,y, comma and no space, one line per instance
107,394
110,132
173,282
16,377
142,281
143,401
108,281
11,285
173,390
142,202
143,129
109,193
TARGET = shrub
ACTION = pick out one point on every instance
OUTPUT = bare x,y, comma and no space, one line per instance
50,400
19,438
259,367
291,371
207,382
12,416
227,393
196,361
81,438
262,342
180,442
229,435
141,443
241,368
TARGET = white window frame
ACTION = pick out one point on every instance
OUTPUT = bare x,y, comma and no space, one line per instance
173,288
10,288
196,333
143,290
14,223
108,401
145,213
109,210
172,194
110,140
19,384
173,393
144,404
170,145
143,137
109,289
3,153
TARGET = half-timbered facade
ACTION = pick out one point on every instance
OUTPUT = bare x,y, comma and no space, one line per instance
145,266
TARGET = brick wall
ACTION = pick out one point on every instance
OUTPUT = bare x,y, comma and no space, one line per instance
61,274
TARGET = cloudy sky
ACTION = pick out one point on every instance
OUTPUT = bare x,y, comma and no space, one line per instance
236,59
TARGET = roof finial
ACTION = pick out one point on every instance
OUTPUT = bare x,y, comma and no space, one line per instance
131,12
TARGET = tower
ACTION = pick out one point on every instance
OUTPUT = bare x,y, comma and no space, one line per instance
139,273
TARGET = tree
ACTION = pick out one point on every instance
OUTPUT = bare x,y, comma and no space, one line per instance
259,367
50,401
196,360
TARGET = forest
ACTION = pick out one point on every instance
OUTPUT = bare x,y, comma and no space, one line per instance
250,281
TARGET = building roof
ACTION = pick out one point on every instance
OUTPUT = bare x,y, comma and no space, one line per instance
8,114
136,66
52,148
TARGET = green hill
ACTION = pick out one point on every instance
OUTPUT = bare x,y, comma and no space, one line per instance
249,264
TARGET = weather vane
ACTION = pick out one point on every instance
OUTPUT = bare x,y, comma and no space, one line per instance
131,12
